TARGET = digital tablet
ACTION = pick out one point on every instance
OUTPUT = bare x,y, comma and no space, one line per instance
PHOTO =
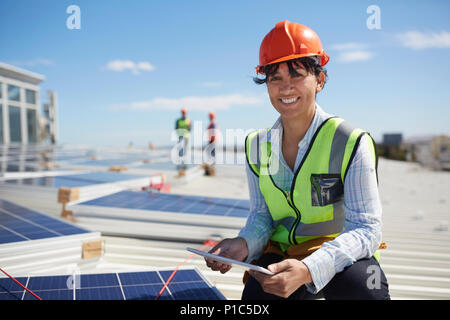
230,261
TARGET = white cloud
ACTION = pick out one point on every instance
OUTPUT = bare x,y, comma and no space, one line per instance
420,40
191,103
352,52
146,66
124,65
356,55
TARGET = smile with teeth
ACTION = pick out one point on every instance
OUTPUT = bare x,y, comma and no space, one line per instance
290,100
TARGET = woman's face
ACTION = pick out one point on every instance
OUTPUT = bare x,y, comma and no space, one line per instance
293,96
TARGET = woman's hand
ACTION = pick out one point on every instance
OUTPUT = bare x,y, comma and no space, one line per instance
235,248
290,274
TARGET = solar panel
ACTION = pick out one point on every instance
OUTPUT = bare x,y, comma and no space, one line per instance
18,223
187,284
51,182
107,162
20,166
75,180
105,176
174,203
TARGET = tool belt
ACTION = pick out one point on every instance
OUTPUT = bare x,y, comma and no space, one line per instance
297,251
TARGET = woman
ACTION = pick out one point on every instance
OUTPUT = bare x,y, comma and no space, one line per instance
315,216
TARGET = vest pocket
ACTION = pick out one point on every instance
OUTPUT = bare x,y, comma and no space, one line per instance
326,189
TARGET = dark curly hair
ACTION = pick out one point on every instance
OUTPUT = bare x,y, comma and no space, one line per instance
311,65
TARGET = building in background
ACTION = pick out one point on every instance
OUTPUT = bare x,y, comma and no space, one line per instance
392,139
392,147
21,121
19,105
48,123
430,151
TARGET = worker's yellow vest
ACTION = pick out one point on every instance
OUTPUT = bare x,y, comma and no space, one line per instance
314,206
182,127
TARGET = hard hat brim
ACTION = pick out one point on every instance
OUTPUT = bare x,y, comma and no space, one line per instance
324,58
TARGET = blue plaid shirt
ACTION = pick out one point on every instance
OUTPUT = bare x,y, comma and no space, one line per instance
362,227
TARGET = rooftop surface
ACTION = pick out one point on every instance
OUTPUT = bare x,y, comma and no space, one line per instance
415,227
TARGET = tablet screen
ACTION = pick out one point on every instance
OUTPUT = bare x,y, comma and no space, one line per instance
230,261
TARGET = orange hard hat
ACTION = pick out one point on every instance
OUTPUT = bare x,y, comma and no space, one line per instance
212,114
183,110
287,41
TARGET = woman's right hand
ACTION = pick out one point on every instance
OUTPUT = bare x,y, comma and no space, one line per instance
235,248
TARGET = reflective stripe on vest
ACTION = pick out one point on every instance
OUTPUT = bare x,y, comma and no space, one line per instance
298,215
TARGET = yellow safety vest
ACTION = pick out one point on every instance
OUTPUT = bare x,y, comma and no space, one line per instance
314,206
182,127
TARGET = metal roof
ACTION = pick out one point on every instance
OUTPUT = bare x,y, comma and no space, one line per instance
415,226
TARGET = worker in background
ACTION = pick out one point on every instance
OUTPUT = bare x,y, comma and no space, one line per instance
210,149
315,209
183,129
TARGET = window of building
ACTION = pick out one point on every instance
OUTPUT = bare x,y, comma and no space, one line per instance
1,90
1,123
30,96
31,124
15,127
13,93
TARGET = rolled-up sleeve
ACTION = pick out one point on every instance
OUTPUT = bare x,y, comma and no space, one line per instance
362,227
259,225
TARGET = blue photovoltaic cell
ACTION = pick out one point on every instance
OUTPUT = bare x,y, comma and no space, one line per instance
104,177
146,292
194,290
186,285
51,182
22,224
174,203
142,286
99,280
49,288
9,290
48,283
134,278
102,293
60,294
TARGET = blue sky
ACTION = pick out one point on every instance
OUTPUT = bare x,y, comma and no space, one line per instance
133,64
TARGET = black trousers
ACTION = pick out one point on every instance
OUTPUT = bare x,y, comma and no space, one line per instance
363,280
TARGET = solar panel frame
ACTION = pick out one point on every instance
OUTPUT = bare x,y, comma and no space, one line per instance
108,182
164,202
22,249
19,223
70,180
189,220
187,284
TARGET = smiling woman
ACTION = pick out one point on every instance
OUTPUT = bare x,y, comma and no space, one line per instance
315,216
292,87
306,74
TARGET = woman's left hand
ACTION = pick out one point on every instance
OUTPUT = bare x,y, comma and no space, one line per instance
290,274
